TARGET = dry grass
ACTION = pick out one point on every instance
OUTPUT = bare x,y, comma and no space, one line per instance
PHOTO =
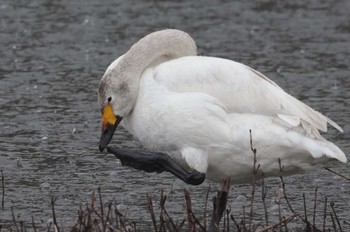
97,217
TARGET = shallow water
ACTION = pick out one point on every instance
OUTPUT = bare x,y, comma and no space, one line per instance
53,54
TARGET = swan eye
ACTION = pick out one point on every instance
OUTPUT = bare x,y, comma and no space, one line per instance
109,99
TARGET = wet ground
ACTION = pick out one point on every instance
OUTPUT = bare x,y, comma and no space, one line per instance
53,54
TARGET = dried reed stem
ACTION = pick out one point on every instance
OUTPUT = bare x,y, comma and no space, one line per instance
13,217
205,208
324,214
161,216
101,204
285,221
150,208
33,224
338,174
305,214
190,216
255,172
336,216
284,189
236,224
162,206
333,222
314,214
243,220
3,191
263,197
228,219
53,200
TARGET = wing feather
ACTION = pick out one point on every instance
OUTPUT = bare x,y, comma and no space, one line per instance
240,88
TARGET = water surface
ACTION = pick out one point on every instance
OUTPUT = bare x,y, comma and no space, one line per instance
53,54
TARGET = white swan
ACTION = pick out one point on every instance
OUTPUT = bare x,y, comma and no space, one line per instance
199,110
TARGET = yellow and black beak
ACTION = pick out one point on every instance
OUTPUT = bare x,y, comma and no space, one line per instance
109,124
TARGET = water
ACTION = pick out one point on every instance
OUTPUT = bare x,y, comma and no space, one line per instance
53,54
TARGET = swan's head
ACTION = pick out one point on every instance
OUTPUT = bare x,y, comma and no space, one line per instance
119,86
116,97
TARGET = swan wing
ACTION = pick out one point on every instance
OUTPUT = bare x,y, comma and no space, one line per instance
240,89
274,139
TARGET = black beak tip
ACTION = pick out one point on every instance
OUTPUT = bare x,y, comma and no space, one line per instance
107,134
101,148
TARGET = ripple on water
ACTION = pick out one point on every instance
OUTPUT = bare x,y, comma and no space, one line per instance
54,53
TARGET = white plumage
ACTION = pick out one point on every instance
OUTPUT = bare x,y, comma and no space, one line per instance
200,110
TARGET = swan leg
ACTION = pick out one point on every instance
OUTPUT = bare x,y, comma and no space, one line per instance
156,162
219,206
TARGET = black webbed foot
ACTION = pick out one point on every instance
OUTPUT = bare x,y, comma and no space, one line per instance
140,161
156,162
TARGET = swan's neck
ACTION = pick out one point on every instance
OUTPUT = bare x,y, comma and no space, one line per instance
151,50
156,48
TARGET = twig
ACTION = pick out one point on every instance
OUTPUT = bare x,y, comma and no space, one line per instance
168,216
196,221
333,222
228,219
80,216
286,198
104,226
263,196
191,220
49,226
255,172
219,205
161,216
236,224
284,189
205,208
285,221
243,220
33,224
324,214
53,199
89,222
338,174
314,214
305,215
305,212
285,224
279,215
3,190
150,208
22,225
14,218
124,221
101,204
179,227
336,216
116,215
97,228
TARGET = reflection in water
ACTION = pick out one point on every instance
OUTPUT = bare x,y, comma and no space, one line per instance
54,53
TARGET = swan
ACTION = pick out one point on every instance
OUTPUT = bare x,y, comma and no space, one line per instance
202,112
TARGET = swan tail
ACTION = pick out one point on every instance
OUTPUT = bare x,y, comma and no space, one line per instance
334,124
319,148
293,107
313,117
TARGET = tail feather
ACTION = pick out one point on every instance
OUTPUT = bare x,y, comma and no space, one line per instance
319,148
334,124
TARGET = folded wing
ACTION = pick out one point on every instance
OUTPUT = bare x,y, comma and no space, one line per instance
241,89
